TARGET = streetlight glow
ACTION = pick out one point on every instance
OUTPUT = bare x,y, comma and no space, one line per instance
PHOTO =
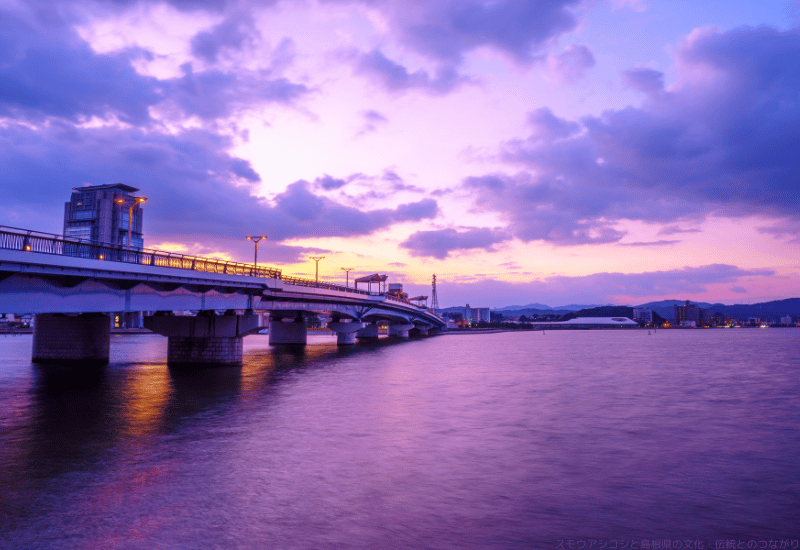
255,239
347,270
316,259
136,201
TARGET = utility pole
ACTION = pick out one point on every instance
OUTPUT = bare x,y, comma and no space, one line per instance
434,296
347,276
316,259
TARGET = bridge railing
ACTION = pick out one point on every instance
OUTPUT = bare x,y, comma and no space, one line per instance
316,284
14,238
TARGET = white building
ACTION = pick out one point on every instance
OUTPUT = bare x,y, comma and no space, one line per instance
588,322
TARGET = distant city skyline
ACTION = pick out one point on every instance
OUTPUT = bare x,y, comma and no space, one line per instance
565,152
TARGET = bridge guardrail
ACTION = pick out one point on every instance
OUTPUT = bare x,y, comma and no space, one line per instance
28,240
14,238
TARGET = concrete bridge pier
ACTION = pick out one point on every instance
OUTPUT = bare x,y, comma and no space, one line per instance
345,332
399,331
206,339
418,331
369,332
83,339
289,332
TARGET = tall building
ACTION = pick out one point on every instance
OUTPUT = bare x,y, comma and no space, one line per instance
474,315
691,315
687,313
643,314
100,214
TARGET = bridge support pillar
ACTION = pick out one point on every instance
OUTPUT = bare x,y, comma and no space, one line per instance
418,331
207,339
80,339
369,332
291,333
399,331
345,332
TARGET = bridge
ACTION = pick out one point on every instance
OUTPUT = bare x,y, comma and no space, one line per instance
71,286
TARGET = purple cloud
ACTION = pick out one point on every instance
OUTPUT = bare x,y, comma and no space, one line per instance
329,183
441,242
570,65
196,189
723,142
231,34
372,119
50,71
543,209
674,229
649,243
589,289
394,77
445,31
648,81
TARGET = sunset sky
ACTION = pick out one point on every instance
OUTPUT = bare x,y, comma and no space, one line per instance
550,151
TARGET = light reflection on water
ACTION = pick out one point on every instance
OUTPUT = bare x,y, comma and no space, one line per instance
510,440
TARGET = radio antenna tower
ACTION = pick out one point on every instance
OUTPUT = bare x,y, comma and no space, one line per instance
434,296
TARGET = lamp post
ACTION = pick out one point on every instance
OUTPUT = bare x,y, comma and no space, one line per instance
316,259
347,276
136,201
255,240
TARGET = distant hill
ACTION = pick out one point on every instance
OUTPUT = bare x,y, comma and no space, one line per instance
663,308
672,303
763,310
519,308
578,307
775,309
542,307
529,312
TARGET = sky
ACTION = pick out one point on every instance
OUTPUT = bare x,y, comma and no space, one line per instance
524,151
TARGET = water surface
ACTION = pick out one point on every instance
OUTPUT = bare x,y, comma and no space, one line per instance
508,440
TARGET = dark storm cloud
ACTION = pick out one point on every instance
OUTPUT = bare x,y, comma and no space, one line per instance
722,140
441,242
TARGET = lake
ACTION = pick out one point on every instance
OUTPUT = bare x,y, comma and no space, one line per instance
564,439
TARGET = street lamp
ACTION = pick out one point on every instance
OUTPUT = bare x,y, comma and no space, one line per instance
136,201
255,240
316,259
347,276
